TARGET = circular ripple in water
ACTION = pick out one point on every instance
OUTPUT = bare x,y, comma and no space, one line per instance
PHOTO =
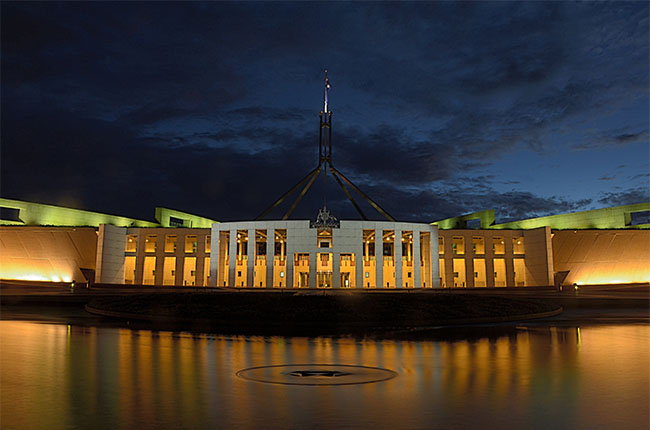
316,374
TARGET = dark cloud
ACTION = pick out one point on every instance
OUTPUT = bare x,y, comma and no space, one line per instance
629,197
609,139
212,107
433,205
632,137
390,155
512,206
640,176
258,113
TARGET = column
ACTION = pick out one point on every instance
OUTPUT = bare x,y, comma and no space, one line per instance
139,259
180,256
199,277
232,257
469,260
199,268
469,270
397,251
489,261
270,256
336,269
290,258
312,269
449,261
417,268
510,265
250,266
359,279
215,257
223,263
434,259
379,258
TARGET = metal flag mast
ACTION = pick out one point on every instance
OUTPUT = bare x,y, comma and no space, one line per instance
325,164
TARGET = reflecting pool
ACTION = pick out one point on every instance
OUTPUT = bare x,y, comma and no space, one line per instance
59,376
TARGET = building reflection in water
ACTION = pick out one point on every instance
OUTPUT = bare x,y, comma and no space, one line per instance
525,377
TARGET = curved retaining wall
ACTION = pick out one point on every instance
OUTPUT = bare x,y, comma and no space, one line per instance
160,318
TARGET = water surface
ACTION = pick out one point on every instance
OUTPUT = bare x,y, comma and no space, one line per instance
60,376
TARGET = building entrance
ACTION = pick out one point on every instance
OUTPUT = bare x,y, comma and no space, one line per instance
303,280
324,279
345,280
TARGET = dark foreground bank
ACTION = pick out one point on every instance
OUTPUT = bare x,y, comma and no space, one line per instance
319,313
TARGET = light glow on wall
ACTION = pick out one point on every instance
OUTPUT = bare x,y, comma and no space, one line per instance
594,274
607,281
41,269
33,276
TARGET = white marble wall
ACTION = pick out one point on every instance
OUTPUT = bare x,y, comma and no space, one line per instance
346,239
111,242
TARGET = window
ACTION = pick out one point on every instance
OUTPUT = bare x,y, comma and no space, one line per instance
191,244
499,272
518,245
441,245
458,245
473,223
498,245
261,248
170,243
10,214
638,218
280,243
520,272
459,272
169,271
480,279
149,271
150,243
189,271
208,244
368,244
206,270
129,270
478,245
324,238
131,243
388,242
407,245
242,244
176,222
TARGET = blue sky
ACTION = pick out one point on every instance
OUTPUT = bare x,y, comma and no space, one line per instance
440,109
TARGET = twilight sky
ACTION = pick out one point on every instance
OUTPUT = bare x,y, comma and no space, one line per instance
440,109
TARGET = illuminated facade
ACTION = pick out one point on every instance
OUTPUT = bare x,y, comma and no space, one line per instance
48,243
484,258
153,256
293,254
